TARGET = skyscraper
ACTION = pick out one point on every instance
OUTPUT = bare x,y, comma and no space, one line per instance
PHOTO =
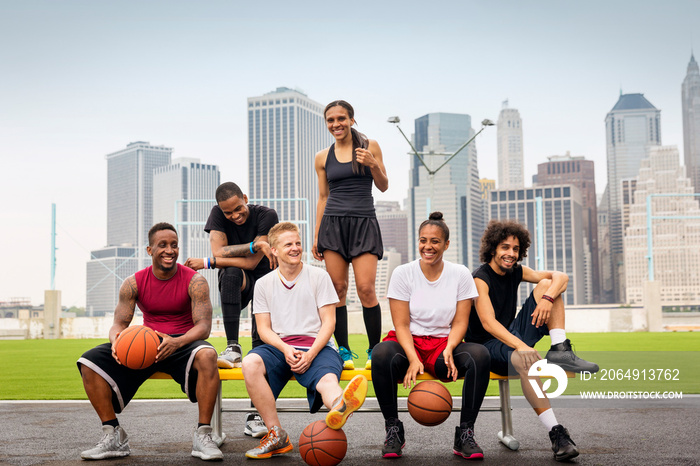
562,232
565,169
285,130
393,223
631,127
129,217
179,190
510,149
690,99
454,190
676,242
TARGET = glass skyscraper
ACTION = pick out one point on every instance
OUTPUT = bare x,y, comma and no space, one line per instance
631,127
285,130
454,190
511,172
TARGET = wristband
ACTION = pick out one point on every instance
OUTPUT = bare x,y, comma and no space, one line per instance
213,262
251,247
206,262
548,298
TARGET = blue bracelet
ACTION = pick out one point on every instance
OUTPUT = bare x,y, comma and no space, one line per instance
251,247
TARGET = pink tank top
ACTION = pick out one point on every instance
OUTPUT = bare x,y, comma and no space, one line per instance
166,304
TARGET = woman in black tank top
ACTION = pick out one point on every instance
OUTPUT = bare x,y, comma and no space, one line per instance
347,230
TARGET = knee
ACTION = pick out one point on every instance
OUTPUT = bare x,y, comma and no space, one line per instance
327,380
365,291
481,356
251,365
341,288
205,361
381,354
542,286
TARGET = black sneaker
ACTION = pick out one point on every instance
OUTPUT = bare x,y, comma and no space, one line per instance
465,445
563,356
395,440
563,447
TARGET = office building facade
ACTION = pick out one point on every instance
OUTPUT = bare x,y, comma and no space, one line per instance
511,172
105,272
578,171
393,223
562,247
690,100
454,190
285,131
631,127
675,241
183,195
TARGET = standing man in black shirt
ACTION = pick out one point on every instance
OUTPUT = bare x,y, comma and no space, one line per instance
238,238
509,338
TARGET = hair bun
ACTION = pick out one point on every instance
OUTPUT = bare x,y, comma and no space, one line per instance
435,216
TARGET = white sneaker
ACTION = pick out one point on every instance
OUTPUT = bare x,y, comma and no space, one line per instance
203,446
230,357
114,444
254,426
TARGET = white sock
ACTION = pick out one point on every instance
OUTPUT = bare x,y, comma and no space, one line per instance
558,335
548,419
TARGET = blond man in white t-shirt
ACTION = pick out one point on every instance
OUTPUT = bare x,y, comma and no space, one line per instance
294,309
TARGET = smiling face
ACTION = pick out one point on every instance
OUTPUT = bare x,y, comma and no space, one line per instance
287,248
235,209
506,255
338,122
432,244
164,251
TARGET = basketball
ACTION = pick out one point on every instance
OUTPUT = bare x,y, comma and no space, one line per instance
137,346
319,445
429,403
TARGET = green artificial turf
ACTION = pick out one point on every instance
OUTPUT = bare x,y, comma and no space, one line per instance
46,369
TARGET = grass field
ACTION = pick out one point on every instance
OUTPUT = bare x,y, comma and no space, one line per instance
46,369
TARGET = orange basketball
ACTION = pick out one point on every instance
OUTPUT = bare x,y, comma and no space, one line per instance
430,403
319,445
137,346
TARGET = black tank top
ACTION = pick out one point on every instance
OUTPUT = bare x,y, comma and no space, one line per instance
350,194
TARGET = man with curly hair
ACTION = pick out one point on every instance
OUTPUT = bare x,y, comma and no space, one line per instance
509,338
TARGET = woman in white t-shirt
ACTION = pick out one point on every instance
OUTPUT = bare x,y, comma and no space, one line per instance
430,301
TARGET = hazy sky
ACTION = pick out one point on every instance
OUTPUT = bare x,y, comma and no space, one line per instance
81,79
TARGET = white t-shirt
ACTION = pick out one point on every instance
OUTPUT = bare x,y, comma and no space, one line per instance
295,311
432,304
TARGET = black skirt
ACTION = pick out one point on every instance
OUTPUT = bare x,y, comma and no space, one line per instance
350,236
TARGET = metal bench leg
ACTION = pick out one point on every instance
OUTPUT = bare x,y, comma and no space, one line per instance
506,435
217,434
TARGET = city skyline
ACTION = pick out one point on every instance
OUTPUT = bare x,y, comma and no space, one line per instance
88,78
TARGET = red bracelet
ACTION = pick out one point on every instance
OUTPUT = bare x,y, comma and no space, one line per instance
548,298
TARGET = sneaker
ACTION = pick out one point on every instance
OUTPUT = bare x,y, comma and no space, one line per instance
563,447
347,356
114,444
368,364
350,401
276,442
203,446
395,440
254,426
465,445
230,357
563,356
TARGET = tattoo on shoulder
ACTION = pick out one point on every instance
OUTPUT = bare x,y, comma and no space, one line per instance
199,294
129,290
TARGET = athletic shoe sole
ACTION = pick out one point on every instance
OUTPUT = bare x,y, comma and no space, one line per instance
566,457
202,456
258,434
107,454
263,456
222,363
353,397
473,456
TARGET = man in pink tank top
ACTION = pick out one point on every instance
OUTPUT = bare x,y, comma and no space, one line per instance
175,303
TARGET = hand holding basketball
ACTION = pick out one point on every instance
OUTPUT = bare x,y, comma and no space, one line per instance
136,347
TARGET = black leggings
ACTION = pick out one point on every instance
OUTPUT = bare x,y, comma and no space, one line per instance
389,366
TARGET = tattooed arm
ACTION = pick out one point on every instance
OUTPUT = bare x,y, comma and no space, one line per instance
198,290
124,311
235,255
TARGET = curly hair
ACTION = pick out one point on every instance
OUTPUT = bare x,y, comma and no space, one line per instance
496,232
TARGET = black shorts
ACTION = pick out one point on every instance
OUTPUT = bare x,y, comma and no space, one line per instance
522,328
125,382
350,236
